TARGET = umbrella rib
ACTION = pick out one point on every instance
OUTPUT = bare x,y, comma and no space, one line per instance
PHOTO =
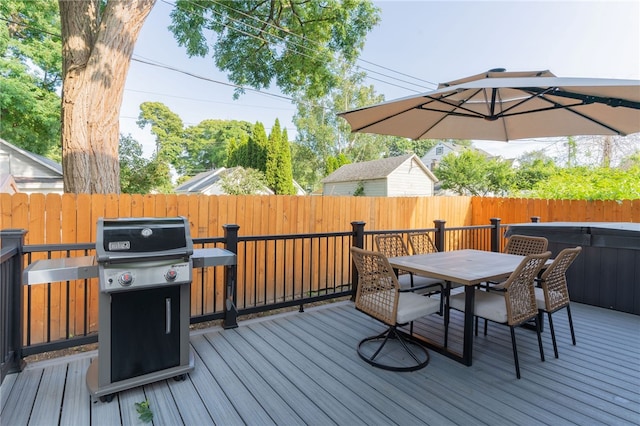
586,99
373,123
569,108
470,114
443,100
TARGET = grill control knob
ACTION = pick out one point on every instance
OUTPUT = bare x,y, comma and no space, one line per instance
125,279
171,275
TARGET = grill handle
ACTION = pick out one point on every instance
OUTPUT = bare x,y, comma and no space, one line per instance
167,326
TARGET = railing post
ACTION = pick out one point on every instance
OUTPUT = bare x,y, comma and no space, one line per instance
11,299
230,288
495,234
439,240
357,240
535,219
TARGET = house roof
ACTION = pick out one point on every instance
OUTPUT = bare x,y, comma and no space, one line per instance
47,163
201,181
375,169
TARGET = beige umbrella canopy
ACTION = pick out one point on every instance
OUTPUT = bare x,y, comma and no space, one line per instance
504,106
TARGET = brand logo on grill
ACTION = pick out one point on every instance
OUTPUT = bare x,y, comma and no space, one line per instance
119,245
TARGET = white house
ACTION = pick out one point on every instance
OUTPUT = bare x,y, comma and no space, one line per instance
24,171
208,183
403,176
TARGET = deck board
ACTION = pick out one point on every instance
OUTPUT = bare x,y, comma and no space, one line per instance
49,396
215,402
303,368
76,409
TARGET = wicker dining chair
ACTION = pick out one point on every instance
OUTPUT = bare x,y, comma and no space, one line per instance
521,245
513,304
379,295
392,245
553,293
525,245
421,243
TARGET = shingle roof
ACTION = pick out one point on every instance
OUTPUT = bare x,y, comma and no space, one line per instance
367,170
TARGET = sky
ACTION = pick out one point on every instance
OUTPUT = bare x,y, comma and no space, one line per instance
416,45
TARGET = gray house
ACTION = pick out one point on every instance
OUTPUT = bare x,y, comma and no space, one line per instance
403,176
24,171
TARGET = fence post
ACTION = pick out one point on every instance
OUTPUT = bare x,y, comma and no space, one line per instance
439,225
11,300
357,240
230,288
495,234
535,219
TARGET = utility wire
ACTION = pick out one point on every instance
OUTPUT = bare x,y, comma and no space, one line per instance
302,46
224,83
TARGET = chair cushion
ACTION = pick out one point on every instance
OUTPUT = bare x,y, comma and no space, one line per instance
405,282
489,305
412,306
540,298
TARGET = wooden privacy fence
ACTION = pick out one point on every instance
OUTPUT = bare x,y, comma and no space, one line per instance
72,218
518,210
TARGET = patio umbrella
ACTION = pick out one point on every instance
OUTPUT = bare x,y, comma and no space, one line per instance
503,106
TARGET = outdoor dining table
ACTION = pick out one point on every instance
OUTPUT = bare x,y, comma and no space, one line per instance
466,267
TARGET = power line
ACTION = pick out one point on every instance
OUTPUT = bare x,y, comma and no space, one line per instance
167,95
304,47
224,83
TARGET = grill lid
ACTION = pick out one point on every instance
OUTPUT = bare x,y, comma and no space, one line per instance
136,239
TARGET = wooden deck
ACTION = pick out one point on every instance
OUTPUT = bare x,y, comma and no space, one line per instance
302,368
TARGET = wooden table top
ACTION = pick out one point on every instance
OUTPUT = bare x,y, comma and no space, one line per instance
467,267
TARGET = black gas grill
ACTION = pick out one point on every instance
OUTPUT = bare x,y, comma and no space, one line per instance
144,266
144,271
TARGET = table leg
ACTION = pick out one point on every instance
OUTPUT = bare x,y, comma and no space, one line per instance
467,344
447,293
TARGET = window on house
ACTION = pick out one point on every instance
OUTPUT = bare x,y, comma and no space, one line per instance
439,150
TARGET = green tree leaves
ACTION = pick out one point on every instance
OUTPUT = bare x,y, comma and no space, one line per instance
139,175
293,44
270,156
584,183
30,70
471,173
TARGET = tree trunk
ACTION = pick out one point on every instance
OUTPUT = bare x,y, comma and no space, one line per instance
96,56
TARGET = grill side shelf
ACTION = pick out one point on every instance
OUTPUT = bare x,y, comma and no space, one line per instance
64,269
212,257
84,267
